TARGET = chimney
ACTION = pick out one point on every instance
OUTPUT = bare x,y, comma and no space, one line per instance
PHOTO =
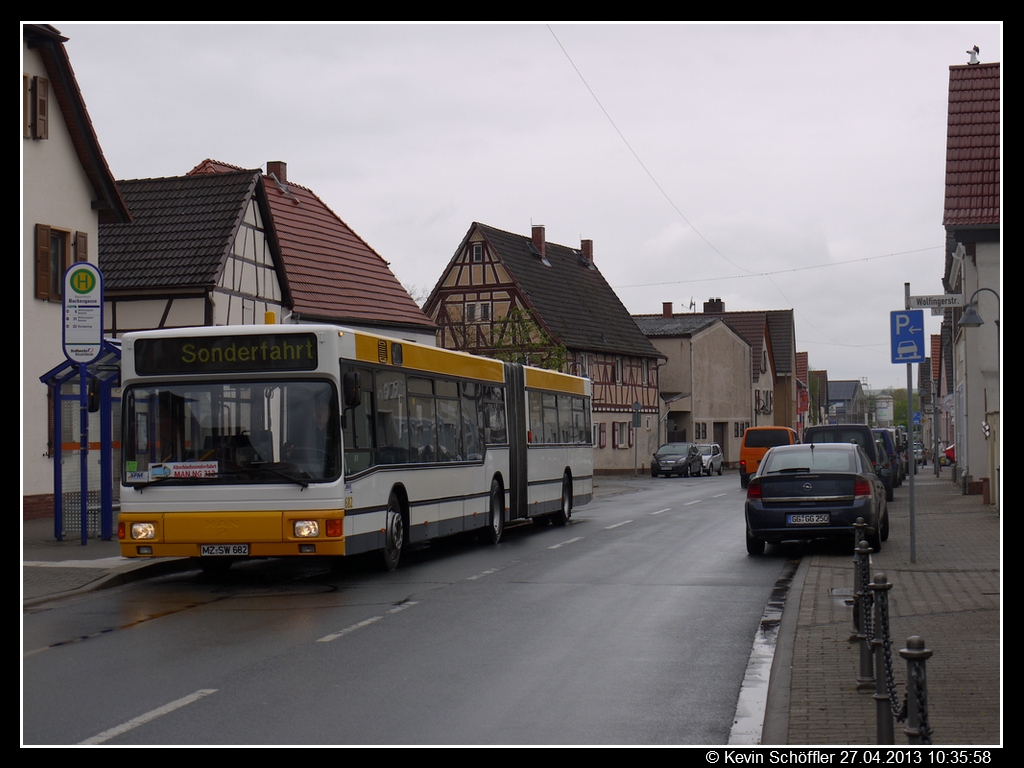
278,169
587,246
666,310
538,238
714,307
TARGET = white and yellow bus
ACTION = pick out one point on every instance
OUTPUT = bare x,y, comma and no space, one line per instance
305,440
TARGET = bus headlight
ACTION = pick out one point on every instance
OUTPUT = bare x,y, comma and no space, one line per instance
143,531
306,529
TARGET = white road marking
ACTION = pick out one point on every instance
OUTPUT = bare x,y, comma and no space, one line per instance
624,522
662,510
135,722
366,622
691,503
570,541
347,630
481,575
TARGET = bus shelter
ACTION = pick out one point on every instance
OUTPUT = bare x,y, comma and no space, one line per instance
85,451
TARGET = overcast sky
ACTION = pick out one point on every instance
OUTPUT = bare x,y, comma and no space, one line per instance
773,166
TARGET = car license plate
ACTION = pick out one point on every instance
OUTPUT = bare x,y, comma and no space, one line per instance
819,518
224,550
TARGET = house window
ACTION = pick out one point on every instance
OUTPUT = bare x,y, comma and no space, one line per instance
54,256
622,435
471,313
618,371
485,312
478,253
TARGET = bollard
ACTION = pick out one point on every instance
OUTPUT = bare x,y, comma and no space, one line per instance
916,654
883,709
859,579
862,617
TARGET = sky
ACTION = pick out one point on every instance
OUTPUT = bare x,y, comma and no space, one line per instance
772,166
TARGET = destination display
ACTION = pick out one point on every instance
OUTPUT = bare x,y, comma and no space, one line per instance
226,354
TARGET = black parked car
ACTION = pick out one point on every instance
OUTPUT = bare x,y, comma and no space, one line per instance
814,491
677,459
860,434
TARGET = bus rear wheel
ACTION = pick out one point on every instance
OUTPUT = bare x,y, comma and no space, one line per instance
394,533
496,525
565,509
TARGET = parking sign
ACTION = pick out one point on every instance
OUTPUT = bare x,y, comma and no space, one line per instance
907,333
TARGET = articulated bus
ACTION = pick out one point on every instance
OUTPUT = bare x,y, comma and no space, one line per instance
305,440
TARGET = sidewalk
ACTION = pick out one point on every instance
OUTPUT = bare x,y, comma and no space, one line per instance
950,597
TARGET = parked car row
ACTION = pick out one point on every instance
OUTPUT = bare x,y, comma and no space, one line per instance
686,459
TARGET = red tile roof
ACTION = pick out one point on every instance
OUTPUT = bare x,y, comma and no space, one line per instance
972,146
332,273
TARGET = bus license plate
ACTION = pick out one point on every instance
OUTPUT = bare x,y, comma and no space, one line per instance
224,550
820,518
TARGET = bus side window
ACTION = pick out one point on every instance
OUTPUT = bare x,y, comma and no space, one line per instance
472,430
493,406
392,420
357,425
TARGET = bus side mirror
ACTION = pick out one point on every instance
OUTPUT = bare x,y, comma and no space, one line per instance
352,393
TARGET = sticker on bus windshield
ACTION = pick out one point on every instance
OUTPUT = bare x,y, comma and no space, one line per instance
184,469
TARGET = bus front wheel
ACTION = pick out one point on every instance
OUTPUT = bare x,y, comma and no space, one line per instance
394,534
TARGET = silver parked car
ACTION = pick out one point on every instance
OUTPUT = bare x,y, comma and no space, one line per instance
711,453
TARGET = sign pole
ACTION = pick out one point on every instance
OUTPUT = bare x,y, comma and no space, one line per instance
82,338
911,458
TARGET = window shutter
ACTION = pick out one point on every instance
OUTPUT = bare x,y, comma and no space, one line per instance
81,246
42,261
40,113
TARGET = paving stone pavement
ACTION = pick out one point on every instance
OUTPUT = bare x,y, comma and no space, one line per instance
950,597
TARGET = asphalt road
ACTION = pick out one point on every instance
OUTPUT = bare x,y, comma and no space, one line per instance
632,625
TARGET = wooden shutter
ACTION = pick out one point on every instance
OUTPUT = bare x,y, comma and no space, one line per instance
81,246
40,111
42,261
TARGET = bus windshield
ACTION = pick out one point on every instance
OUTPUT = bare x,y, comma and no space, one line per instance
226,432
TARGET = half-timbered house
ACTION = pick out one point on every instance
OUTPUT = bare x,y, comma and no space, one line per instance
200,251
523,298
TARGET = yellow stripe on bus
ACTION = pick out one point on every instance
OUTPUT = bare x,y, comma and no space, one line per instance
376,349
553,380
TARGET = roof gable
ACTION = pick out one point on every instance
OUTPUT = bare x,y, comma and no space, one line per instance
49,43
568,293
183,230
972,146
333,274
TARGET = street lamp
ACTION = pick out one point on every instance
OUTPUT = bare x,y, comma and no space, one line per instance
970,317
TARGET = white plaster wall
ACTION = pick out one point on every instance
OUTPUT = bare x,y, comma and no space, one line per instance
55,191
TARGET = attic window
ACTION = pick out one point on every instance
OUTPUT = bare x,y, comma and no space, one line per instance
478,253
538,254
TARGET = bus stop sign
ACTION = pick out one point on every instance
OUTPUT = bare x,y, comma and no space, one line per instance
83,313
